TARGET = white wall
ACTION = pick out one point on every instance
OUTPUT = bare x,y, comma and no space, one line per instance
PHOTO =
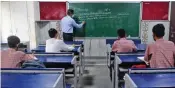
42,28
0,23
14,20
146,30
18,19
31,21
6,21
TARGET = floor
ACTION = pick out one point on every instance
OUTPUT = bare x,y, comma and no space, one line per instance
96,74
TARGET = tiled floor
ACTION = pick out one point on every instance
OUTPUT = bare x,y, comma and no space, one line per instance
96,74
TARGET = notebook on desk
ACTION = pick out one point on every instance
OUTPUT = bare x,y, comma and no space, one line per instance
142,59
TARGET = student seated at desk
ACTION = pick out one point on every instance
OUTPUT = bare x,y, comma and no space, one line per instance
11,58
55,44
160,54
122,44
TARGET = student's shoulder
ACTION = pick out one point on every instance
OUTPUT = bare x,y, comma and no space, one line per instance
116,41
20,53
130,41
48,40
2,52
170,42
59,41
152,45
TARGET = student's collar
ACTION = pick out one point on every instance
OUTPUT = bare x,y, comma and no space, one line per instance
11,49
122,38
159,40
69,16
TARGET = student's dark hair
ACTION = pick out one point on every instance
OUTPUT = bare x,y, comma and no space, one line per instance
13,41
52,32
121,33
159,30
70,11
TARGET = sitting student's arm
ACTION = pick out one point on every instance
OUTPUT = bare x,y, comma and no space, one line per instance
26,57
114,46
134,46
147,56
65,47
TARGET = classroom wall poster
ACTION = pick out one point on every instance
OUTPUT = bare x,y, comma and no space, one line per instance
52,10
155,10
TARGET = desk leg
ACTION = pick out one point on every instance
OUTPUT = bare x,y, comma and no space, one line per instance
64,79
81,61
116,81
113,77
107,58
75,75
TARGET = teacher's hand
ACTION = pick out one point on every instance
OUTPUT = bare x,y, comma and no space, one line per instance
83,22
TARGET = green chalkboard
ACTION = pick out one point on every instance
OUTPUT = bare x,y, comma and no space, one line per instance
103,19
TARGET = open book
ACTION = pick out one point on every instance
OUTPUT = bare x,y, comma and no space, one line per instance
142,59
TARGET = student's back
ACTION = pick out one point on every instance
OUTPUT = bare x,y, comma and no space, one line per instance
163,53
11,58
55,45
123,45
160,54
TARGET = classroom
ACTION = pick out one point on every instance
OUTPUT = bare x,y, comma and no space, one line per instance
87,44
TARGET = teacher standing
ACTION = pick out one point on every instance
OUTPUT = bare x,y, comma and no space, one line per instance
67,25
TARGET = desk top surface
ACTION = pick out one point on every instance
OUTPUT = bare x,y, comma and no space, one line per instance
74,42
28,80
130,58
70,42
154,79
55,58
141,46
42,49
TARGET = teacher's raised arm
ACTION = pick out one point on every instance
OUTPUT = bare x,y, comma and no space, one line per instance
67,25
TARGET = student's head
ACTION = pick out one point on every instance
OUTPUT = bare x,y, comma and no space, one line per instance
70,12
53,33
121,33
158,31
13,41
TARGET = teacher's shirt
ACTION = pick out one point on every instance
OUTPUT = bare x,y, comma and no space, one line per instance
67,24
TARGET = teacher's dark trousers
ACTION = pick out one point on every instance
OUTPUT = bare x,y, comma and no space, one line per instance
68,36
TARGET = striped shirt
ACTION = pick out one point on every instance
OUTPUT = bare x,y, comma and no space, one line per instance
123,45
11,58
163,54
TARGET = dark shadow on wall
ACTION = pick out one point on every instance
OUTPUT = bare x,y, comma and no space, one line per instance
172,23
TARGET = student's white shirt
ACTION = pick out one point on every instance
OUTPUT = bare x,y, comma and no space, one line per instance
67,24
56,45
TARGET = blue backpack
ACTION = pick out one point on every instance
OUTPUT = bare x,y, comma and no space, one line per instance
33,64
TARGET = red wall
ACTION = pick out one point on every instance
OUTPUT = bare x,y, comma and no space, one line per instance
52,10
155,10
